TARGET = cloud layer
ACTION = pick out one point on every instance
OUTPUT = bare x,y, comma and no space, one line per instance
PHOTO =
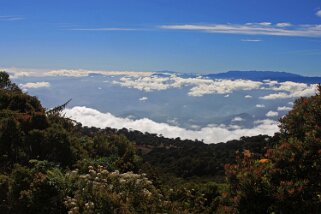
210,134
16,73
200,86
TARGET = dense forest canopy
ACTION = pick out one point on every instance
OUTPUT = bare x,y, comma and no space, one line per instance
52,164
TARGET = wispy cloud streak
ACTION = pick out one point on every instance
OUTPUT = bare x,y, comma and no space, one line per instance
263,28
11,18
251,40
104,29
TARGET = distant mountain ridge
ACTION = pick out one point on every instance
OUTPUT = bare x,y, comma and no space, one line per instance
260,76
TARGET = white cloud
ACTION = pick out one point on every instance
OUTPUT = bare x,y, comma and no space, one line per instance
152,83
251,40
272,114
264,23
260,106
318,13
290,90
237,119
284,108
284,24
68,73
248,96
270,83
263,28
143,98
290,86
222,87
275,96
210,133
35,85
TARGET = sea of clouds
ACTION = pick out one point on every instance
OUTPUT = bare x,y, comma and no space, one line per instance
167,104
210,134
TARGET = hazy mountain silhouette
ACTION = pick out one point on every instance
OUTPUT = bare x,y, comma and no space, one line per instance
264,75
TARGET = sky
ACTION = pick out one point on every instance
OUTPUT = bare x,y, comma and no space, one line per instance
198,36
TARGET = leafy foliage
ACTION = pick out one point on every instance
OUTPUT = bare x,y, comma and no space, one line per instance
286,178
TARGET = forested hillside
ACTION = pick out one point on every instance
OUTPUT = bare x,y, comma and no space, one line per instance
186,158
51,164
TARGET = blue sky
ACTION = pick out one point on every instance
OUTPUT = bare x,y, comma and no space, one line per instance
204,36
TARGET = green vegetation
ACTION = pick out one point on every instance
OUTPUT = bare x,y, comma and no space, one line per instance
286,179
51,164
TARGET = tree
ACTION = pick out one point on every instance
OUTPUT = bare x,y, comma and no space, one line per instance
287,178
10,141
4,80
